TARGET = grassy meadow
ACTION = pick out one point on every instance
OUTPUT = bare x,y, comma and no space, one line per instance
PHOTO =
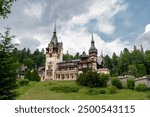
51,90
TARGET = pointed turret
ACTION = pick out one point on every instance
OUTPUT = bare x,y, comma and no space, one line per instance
54,39
92,49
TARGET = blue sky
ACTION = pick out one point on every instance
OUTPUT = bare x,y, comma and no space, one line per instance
116,24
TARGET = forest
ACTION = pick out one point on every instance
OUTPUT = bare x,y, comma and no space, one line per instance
135,62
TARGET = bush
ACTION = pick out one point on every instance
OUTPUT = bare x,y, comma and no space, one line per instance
23,82
141,87
148,96
104,79
102,91
112,89
117,83
65,89
130,83
92,92
92,79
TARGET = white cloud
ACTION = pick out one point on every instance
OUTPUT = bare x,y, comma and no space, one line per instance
80,40
144,38
73,17
103,11
34,10
75,36
147,28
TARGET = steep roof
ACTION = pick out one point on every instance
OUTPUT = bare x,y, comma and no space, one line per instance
54,39
92,48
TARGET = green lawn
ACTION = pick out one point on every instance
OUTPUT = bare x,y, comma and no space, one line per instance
41,91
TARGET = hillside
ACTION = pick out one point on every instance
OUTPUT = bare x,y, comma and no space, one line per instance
50,90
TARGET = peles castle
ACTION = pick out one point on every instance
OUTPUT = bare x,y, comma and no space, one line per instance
57,69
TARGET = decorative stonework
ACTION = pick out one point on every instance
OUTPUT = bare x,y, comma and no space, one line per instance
57,69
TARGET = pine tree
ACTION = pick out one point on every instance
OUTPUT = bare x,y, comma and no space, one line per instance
8,67
28,74
35,76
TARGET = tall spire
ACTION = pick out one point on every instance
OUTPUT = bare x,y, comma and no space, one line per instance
92,37
54,39
55,26
92,48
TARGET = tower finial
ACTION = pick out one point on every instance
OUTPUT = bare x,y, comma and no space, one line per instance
55,26
92,36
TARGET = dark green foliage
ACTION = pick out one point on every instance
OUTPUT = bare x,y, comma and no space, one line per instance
8,67
117,83
141,87
92,92
130,83
136,62
35,76
23,82
141,70
5,7
67,56
28,75
112,89
148,96
104,79
102,91
28,62
132,70
92,79
108,62
31,60
65,89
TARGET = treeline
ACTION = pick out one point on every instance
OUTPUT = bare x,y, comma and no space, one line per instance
67,56
136,62
31,60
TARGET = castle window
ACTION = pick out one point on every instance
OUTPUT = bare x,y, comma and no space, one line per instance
84,65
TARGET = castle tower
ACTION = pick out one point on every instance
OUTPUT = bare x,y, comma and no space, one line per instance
93,54
54,55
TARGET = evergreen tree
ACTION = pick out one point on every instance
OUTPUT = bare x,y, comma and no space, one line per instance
28,62
8,67
114,63
132,70
35,76
5,7
28,74
141,70
108,62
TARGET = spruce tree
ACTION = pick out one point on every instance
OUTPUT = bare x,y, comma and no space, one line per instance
8,67
35,76
28,74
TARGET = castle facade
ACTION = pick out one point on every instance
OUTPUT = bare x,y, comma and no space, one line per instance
57,69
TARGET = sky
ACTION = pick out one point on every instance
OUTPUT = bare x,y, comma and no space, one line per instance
116,24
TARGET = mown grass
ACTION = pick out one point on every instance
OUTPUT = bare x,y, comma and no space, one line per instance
50,90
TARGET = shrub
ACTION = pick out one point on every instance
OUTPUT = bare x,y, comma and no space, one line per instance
141,87
104,79
23,82
102,91
112,89
65,89
92,92
117,83
148,96
130,83
92,79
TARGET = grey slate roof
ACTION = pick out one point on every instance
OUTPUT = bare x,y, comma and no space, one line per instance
92,48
